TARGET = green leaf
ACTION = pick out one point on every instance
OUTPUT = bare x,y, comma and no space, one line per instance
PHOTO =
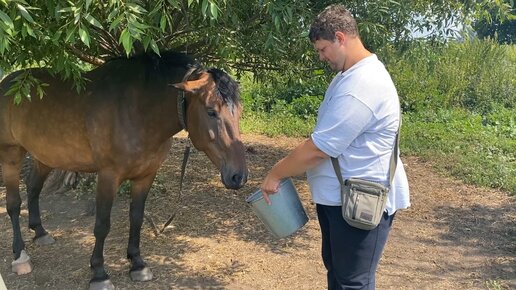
65,10
4,45
146,41
25,13
116,22
154,47
163,22
139,25
134,31
136,8
57,35
24,31
112,14
214,11
85,36
29,30
17,98
176,4
13,89
88,3
126,40
40,91
91,20
6,20
204,7
70,34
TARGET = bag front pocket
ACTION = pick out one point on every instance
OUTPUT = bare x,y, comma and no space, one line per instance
363,203
366,207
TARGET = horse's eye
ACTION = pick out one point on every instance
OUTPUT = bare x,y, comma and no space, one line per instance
212,113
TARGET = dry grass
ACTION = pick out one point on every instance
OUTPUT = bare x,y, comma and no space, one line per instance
455,236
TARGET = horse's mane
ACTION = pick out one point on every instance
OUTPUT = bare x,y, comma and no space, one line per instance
169,61
228,88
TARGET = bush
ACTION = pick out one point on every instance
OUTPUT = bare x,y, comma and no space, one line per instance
476,75
299,97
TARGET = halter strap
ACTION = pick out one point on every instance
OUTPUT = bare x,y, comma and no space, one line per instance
181,100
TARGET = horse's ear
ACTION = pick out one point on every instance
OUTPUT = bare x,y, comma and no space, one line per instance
193,86
179,86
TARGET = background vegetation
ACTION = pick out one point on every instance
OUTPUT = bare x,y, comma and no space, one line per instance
458,99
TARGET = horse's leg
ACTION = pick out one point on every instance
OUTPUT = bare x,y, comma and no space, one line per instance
107,186
37,177
11,158
139,190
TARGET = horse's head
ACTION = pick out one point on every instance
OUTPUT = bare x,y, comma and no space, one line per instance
212,120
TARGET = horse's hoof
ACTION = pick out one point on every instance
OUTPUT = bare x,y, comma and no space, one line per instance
102,285
142,275
44,240
22,265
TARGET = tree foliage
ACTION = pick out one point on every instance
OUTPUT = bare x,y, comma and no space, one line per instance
494,26
244,35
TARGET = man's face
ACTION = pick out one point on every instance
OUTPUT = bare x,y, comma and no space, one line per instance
331,52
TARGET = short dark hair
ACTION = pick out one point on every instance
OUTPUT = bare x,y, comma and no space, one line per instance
332,19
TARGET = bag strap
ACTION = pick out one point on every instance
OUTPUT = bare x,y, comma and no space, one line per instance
393,162
336,166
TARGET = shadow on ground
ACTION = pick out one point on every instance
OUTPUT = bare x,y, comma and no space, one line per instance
206,211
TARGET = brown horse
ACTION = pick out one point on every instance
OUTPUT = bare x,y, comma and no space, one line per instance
119,126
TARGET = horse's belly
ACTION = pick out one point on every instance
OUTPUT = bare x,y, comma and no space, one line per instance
58,156
65,161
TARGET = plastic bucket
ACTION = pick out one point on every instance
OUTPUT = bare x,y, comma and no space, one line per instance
285,215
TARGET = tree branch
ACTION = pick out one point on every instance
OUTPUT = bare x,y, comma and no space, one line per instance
85,57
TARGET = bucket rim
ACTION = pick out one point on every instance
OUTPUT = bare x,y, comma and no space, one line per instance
258,195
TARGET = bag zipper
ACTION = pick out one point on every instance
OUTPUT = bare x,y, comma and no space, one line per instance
356,206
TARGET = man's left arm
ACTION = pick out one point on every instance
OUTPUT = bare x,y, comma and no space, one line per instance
305,156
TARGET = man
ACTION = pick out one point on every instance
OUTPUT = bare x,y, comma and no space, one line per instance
357,124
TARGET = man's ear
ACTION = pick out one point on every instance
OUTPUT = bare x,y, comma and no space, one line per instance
193,86
340,37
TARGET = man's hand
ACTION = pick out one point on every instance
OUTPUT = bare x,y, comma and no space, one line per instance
306,155
270,185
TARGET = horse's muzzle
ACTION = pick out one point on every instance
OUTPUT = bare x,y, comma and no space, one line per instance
234,179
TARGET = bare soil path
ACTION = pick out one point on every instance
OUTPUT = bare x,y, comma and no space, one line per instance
454,236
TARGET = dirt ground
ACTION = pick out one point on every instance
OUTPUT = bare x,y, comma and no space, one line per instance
455,236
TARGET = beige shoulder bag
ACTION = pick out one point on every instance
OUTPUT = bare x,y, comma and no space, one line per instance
363,201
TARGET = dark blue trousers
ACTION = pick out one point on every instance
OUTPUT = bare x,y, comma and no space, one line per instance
350,255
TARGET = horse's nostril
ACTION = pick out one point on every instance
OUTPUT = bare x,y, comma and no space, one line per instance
236,179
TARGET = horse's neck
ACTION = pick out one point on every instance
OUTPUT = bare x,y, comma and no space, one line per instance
162,116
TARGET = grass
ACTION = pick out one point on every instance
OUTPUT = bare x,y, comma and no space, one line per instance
476,149
276,124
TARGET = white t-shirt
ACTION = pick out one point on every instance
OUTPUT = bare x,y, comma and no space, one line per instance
357,123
